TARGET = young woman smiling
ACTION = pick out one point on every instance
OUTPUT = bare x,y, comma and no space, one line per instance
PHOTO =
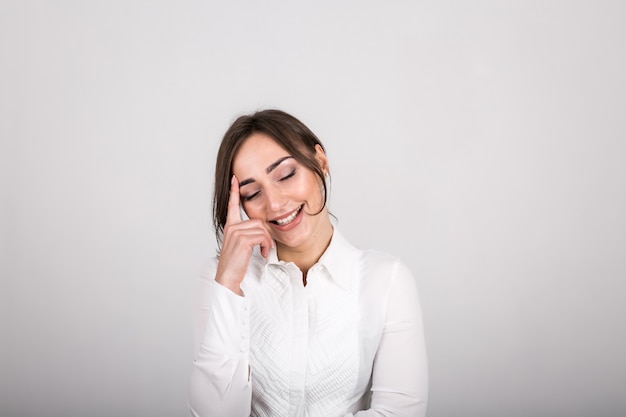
292,320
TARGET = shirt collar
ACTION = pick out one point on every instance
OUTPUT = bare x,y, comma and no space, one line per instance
338,259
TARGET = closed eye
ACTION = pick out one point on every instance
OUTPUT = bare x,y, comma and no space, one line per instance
286,177
245,198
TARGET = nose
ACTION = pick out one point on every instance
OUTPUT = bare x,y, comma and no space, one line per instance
276,200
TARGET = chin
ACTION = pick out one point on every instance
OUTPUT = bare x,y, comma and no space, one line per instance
291,243
298,239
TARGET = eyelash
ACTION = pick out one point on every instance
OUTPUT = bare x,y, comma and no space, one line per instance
285,178
245,198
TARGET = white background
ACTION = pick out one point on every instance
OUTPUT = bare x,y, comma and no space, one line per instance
483,142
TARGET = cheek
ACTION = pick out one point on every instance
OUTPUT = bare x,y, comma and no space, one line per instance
251,211
314,192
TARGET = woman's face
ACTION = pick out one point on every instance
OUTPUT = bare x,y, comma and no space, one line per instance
277,189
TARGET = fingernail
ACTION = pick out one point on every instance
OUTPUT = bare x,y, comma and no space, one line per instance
232,179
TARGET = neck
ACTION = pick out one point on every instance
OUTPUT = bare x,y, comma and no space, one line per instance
307,255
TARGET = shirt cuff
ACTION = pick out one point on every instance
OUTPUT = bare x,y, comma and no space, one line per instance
228,325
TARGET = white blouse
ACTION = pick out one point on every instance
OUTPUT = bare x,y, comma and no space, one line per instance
349,343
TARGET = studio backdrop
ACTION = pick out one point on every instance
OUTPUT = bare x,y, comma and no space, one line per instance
481,142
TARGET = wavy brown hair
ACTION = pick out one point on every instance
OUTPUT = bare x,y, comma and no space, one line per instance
288,132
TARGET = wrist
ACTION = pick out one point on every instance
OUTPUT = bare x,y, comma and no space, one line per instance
234,286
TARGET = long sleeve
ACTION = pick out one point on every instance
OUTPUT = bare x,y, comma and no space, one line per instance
220,380
400,374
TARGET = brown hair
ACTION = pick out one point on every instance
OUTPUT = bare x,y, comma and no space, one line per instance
286,130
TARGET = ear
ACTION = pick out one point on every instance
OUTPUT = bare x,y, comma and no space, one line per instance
320,156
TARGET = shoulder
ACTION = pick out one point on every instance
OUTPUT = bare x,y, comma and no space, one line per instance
384,274
388,283
378,260
371,267
381,266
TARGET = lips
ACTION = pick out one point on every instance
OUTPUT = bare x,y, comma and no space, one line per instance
287,219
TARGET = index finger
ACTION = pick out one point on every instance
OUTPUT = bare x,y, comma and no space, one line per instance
233,214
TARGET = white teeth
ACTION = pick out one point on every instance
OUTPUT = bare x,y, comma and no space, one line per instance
289,218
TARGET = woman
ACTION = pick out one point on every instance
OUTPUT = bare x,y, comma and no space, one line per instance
292,319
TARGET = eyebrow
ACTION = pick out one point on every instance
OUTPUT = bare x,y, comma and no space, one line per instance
269,169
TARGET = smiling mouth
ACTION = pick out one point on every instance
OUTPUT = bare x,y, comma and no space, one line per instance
288,219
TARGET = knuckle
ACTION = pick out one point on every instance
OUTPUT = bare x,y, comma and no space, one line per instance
257,222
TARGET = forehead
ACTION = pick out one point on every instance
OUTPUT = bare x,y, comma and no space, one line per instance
257,152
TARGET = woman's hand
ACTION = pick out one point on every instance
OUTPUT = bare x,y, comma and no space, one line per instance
239,239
